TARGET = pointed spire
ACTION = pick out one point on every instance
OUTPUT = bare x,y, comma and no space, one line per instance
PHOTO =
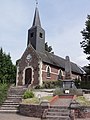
36,21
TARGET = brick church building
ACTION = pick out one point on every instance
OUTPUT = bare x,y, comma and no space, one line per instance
37,65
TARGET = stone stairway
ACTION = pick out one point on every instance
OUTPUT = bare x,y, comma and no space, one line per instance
57,113
13,99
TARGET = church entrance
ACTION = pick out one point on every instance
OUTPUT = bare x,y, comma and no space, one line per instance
28,76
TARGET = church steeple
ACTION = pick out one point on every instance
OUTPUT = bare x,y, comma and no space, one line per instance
36,21
36,34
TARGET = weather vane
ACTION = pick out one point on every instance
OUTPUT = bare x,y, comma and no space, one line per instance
36,2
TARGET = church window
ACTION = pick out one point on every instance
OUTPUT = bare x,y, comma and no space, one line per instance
48,72
40,35
32,35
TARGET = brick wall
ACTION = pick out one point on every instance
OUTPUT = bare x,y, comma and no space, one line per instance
54,73
52,76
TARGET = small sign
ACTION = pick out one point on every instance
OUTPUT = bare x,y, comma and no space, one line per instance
67,91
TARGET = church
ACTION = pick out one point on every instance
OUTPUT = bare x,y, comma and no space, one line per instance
37,65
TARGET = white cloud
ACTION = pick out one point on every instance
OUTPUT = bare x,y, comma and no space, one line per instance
81,60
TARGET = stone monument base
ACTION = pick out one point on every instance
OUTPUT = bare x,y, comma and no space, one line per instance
69,86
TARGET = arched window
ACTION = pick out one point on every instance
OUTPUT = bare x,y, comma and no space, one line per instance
48,72
60,74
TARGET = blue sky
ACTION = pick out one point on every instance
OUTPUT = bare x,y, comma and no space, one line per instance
62,20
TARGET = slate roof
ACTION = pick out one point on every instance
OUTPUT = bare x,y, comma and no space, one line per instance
59,62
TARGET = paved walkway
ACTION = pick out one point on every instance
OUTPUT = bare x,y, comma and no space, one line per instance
83,119
62,102
9,116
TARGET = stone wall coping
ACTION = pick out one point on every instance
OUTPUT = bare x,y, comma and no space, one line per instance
28,104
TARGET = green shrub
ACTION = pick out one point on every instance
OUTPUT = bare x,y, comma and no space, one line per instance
77,83
73,91
51,84
85,84
28,94
58,91
48,84
3,92
38,87
82,84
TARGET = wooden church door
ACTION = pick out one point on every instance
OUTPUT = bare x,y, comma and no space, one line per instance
28,76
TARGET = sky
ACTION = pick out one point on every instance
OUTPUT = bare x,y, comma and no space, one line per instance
62,21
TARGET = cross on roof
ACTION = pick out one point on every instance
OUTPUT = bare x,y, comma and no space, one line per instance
36,2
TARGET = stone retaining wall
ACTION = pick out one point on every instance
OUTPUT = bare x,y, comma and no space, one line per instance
81,112
38,110
32,110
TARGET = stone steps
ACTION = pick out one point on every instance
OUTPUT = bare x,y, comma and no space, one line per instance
8,111
10,105
13,96
8,108
57,118
10,102
57,113
58,110
58,106
17,90
13,100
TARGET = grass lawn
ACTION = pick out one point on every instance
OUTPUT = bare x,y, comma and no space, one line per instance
3,92
35,100
83,101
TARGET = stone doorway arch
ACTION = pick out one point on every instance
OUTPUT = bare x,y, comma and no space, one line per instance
28,76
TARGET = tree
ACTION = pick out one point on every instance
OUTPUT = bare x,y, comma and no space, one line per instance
7,69
1,59
85,44
48,48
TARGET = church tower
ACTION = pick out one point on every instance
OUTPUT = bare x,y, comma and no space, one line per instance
36,34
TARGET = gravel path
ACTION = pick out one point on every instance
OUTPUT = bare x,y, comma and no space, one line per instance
9,116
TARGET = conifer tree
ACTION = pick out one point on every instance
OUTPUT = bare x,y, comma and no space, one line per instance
85,44
48,48
7,69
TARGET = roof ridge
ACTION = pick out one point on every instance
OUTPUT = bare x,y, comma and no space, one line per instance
59,62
